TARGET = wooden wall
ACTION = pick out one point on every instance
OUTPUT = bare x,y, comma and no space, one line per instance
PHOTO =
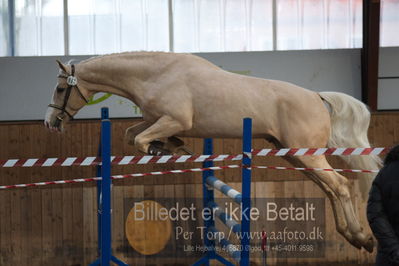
57,225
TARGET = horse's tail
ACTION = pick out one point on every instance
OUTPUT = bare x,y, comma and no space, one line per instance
350,120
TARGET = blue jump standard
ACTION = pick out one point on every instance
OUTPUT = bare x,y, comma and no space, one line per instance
209,182
104,196
104,202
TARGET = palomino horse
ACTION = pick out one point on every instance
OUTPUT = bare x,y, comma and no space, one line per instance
182,95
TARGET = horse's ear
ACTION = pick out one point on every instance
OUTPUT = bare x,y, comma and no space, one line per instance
61,65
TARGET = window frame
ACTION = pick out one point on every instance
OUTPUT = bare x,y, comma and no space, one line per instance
11,42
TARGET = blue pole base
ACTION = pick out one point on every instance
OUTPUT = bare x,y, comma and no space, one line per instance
205,260
202,261
94,263
118,261
223,260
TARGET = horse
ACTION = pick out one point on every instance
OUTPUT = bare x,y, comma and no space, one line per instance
183,95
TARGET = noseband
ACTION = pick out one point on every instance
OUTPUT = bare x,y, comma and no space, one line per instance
72,82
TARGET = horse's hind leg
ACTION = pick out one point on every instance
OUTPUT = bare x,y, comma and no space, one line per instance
338,211
337,189
164,127
311,128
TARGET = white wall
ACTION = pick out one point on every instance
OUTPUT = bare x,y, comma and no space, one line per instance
388,89
27,82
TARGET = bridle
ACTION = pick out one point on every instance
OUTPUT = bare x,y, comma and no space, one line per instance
72,82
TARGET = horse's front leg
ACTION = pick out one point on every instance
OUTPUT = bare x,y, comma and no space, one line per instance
164,127
132,132
176,146
172,145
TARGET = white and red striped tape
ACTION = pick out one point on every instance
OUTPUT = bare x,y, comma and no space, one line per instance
125,160
117,160
314,169
80,180
320,151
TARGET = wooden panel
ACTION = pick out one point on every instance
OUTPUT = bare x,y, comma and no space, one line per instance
57,225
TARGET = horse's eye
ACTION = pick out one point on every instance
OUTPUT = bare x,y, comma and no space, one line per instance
59,89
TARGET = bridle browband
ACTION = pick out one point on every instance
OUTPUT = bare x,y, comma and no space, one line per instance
72,82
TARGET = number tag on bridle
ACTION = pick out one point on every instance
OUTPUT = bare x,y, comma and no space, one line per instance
72,81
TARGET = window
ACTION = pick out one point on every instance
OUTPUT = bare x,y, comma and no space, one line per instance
47,27
39,27
103,26
310,24
389,23
209,25
4,25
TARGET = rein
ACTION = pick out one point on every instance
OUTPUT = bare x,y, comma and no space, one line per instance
72,82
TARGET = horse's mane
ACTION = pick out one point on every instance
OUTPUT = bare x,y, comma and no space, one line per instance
131,53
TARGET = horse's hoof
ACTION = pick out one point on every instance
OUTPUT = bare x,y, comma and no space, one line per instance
154,149
183,151
369,245
176,141
157,143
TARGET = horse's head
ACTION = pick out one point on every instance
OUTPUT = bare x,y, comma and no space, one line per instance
69,97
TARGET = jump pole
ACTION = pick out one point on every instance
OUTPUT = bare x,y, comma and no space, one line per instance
244,198
104,197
